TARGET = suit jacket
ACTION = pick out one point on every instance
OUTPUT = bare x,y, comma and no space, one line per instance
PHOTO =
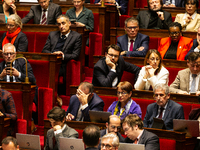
195,44
122,3
150,140
96,103
67,132
184,45
141,40
86,17
20,65
192,26
182,81
103,76
173,111
144,16
21,42
35,12
178,3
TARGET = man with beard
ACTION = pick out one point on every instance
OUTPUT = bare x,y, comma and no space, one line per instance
155,17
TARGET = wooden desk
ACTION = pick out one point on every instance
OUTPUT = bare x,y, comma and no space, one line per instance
140,61
159,33
4,125
28,93
108,91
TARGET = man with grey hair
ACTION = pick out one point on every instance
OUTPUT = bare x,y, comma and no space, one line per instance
44,13
9,143
110,141
66,43
163,108
82,102
133,44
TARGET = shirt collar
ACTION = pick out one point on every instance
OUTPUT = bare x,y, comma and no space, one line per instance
193,16
66,35
131,39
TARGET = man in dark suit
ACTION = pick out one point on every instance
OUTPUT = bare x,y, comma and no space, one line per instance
133,44
18,66
59,129
44,13
196,45
91,137
164,108
155,17
175,3
133,128
109,70
82,102
66,43
110,141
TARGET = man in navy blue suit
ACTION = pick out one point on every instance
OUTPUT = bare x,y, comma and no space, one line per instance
163,108
133,44
196,45
82,102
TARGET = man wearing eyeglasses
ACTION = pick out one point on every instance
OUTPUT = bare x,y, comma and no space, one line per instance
175,46
109,141
154,17
163,108
44,13
113,126
133,128
187,80
109,70
82,102
133,44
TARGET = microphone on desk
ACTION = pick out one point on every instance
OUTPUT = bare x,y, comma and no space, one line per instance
26,78
8,67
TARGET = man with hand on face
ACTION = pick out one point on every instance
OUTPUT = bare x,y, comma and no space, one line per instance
44,13
59,129
82,102
196,45
133,44
155,17
187,80
163,108
133,128
109,70
66,43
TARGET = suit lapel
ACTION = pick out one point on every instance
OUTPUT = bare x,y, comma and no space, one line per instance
155,110
180,47
126,42
39,14
49,13
55,40
81,14
67,40
136,42
146,20
167,111
187,79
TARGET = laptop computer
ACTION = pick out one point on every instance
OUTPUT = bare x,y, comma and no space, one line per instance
125,146
158,123
2,18
99,116
71,144
28,141
191,127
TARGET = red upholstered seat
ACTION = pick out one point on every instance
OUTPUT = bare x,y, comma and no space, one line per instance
127,76
186,108
108,100
173,73
153,42
167,144
195,106
122,18
22,14
41,38
31,41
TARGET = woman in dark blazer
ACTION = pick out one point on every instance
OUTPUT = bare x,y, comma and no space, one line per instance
8,7
14,35
83,16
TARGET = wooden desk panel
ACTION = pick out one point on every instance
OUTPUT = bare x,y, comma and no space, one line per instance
142,94
28,93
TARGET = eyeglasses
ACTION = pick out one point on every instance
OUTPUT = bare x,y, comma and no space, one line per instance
161,95
118,128
122,93
132,28
115,56
107,146
172,33
195,64
10,25
126,129
6,54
